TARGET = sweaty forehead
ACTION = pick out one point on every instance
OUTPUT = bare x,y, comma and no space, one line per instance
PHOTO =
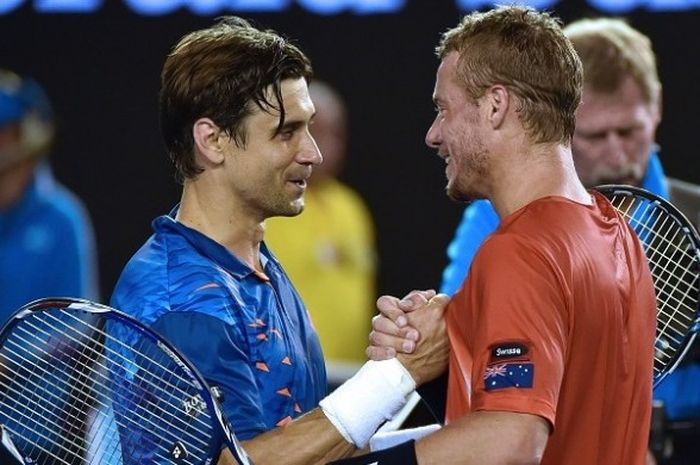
295,98
448,87
447,70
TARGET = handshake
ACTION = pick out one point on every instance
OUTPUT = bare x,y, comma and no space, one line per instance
408,347
413,330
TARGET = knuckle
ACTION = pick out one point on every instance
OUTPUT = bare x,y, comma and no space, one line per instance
372,338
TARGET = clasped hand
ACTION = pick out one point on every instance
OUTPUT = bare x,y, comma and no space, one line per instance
413,330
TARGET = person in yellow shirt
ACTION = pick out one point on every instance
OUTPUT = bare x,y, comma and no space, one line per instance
329,250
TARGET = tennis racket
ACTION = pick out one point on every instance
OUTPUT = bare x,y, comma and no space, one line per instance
671,245
84,384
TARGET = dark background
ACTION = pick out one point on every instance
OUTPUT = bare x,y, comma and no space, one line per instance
102,72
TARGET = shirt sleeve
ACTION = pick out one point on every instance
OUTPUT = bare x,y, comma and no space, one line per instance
520,335
210,345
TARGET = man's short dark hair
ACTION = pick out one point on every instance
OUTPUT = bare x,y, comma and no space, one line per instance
221,73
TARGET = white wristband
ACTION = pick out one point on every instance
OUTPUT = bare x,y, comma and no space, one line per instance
373,395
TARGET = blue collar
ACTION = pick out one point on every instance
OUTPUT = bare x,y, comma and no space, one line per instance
208,247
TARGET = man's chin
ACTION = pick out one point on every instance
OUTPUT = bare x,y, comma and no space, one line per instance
458,195
294,209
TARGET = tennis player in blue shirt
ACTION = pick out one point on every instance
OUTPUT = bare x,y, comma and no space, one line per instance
235,113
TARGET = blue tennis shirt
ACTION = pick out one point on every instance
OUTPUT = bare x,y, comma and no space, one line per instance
248,333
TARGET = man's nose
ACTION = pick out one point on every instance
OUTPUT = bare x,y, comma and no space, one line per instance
310,153
615,153
433,137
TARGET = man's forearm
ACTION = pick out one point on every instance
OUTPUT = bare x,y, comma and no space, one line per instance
309,440
486,437
345,420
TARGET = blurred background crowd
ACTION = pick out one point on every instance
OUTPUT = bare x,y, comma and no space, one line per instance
101,70
377,219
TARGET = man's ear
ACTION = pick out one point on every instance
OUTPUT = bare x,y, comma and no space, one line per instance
498,101
207,140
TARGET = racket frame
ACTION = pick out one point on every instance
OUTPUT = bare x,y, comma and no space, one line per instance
226,434
610,190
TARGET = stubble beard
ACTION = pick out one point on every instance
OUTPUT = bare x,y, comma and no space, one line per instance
461,194
285,207
462,188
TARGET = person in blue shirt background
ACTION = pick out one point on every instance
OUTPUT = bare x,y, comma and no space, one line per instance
47,243
613,144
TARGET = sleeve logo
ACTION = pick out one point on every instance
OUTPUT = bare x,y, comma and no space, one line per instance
509,350
509,375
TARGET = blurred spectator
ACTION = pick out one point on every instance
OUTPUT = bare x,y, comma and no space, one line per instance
329,251
47,246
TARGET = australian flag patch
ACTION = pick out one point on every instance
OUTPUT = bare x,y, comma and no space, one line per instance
509,375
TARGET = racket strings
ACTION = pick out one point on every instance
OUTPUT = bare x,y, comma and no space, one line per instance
45,416
79,450
99,446
111,341
171,388
49,452
98,376
64,417
674,280
673,261
50,417
673,291
673,265
140,417
165,389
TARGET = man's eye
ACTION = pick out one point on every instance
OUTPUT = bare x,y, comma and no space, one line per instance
594,137
627,132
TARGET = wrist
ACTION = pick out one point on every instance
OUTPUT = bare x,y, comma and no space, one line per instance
373,395
402,454
405,362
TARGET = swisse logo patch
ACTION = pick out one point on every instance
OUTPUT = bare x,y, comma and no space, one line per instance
509,350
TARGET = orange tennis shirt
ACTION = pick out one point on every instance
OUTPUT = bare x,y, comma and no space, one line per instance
557,318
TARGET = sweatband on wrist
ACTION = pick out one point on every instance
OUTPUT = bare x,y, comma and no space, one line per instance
373,395
403,454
